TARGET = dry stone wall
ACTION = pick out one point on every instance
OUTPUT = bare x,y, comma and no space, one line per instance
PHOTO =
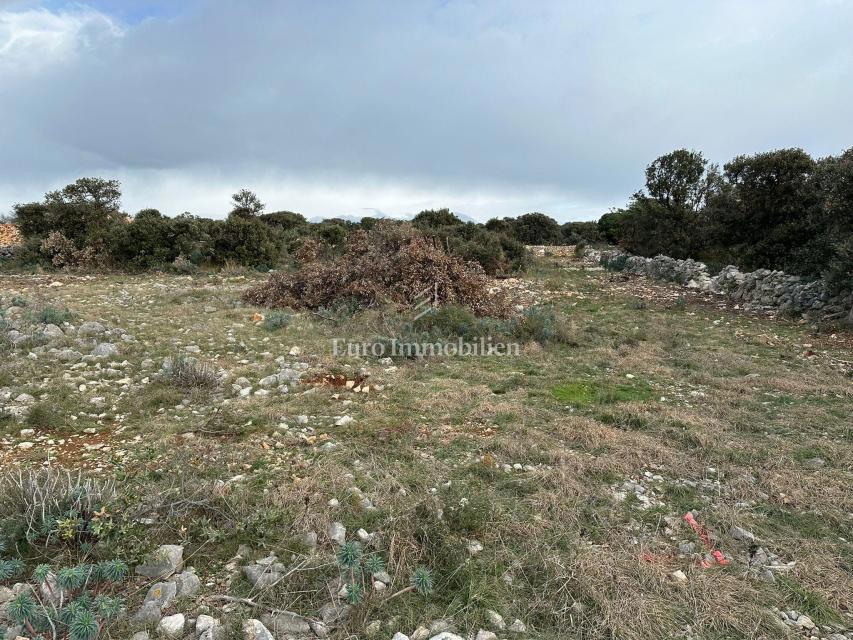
763,289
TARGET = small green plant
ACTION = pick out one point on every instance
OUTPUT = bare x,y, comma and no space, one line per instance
190,374
10,569
44,415
82,588
541,323
359,569
55,507
349,555
52,315
276,320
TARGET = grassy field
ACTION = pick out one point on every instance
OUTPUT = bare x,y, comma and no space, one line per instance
550,488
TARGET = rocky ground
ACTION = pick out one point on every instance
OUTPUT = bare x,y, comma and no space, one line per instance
673,469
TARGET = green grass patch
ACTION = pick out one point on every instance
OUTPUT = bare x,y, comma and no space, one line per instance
807,601
584,394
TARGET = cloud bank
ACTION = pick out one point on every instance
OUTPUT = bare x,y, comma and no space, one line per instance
491,108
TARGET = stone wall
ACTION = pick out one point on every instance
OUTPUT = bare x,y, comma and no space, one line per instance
763,289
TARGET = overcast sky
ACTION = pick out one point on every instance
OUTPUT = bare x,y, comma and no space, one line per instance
489,107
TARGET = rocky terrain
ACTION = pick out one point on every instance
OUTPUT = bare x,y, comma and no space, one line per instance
668,469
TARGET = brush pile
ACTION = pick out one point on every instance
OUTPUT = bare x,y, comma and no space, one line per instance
392,263
10,237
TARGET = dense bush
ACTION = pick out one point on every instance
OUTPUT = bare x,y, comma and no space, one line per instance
531,228
581,233
495,251
81,226
778,210
247,241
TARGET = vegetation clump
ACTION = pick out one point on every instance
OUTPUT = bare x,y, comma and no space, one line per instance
389,264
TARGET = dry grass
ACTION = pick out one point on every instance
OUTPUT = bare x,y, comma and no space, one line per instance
728,411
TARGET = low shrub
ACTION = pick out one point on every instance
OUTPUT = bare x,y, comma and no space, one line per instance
542,324
44,415
53,315
276,320
617,263
55,506
190,374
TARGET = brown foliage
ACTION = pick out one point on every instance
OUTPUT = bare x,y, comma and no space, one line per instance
64,253
310,250
390,264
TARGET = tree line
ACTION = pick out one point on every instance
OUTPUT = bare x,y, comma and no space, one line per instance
83,226
781,209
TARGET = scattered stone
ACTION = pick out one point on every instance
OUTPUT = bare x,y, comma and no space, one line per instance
333,613
161,594
188,584
204,622
496,620
140,635
679,576
686,548
269,381
742,534
105,350
517,626
148,614
399,636
343,421
165,561
90,329
482,634
337,533
265,572
804,622
172,626
51,331
255,630
285,623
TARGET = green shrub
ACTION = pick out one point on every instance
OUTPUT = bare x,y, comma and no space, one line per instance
276,320
541,323
49,506
52,315
617,263
44,415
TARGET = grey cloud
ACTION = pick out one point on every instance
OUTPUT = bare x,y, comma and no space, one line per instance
565,98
